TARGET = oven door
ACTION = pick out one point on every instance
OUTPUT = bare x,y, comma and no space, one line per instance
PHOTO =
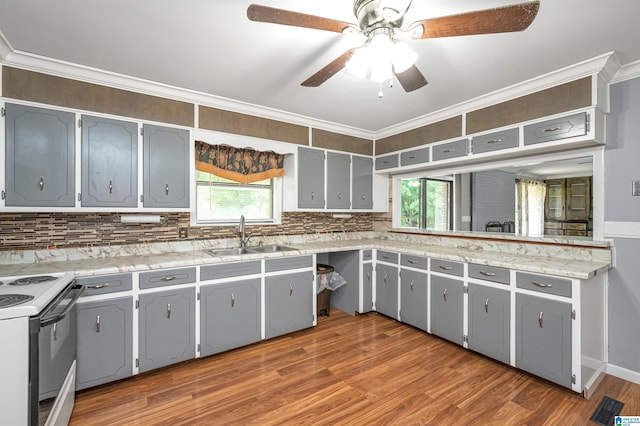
52,353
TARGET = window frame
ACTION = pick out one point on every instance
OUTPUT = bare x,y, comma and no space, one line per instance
424,180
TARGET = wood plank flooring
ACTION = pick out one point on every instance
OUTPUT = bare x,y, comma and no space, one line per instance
363,370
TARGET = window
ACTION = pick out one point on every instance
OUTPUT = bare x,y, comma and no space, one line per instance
223,201
426,203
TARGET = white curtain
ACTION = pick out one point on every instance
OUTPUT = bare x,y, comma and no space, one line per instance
530,206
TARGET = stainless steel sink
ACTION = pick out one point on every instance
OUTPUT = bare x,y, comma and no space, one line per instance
271,248
229,251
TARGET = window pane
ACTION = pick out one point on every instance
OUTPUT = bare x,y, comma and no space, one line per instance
411,205
438,205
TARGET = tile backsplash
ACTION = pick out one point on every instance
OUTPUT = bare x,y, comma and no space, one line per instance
31,231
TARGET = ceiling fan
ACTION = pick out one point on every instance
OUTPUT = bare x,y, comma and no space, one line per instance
384,54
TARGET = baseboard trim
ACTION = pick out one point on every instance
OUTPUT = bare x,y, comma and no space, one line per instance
624,373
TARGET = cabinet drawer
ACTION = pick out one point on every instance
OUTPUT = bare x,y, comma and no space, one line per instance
489,273
575,226
416,156
544,284
559,128
286,263
447,267
167,277
387,256
387,162
495,141
367,255
213,272
414,261
450,150
105,284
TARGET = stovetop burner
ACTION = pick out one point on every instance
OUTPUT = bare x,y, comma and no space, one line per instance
33,280
7,300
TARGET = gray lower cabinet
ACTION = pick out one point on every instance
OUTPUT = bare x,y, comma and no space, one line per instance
543,338
367,287
165,167
229,315
338,180
362,182
387,290
489,321
447,308
310,178
414,298
288,303
104,351
166,327
109,162
40,157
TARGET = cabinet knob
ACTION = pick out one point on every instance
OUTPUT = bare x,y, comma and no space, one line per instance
110,187
41,183
166,189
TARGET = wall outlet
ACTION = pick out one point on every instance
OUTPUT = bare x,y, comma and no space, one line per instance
183,232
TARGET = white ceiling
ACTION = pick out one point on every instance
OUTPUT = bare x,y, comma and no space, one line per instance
210,46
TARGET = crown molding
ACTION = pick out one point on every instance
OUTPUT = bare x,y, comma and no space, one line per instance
564,75
627,72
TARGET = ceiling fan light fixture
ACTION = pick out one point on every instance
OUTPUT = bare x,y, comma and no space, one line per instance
402,57
359,63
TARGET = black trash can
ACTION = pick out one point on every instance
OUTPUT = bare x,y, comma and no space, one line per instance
323,294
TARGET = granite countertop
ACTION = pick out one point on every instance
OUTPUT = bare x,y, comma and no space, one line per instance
520,259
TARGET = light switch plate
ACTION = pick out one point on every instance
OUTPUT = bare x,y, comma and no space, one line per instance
635,188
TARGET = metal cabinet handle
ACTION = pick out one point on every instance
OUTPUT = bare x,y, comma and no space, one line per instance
552,129
413,262
444,294
540,319
313,194
368,276
339,195
543,285
97,323
446,268
96,286
110,187
166,189
488,274
494,141
486,305
233,300
168,310
55,331
412,157
446,151
290,290
385,279
364,197
170,278
41,183
411,285
385,257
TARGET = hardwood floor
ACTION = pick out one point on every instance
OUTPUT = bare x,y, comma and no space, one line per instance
359,370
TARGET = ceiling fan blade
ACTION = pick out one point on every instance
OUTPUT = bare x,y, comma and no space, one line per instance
259,13
329,70
500,20
411,79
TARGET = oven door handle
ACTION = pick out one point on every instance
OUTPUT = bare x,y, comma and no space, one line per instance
79,289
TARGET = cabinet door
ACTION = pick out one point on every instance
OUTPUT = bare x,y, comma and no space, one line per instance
362,193
166,167
446,308
310,178
338,180
229,315
387,290
289,303
578,198
489,321
413,298
543,338
167,328
104,341
367,287
40,157
554,200
109,163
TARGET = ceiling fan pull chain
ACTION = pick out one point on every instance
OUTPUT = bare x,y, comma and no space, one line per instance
380,94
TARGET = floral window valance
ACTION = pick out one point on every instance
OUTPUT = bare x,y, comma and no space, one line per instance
243,165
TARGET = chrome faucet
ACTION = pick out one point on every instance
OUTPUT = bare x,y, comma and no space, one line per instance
241,233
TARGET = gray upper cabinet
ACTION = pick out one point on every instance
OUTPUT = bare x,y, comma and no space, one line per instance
167,328
387,290
416,156
109,163
555,129
362,183
543,338
450,150
338,180
166,167
446,308
310,178
413,298
289,303
489,321
104,351
387,162
229,315
495,141
40,160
